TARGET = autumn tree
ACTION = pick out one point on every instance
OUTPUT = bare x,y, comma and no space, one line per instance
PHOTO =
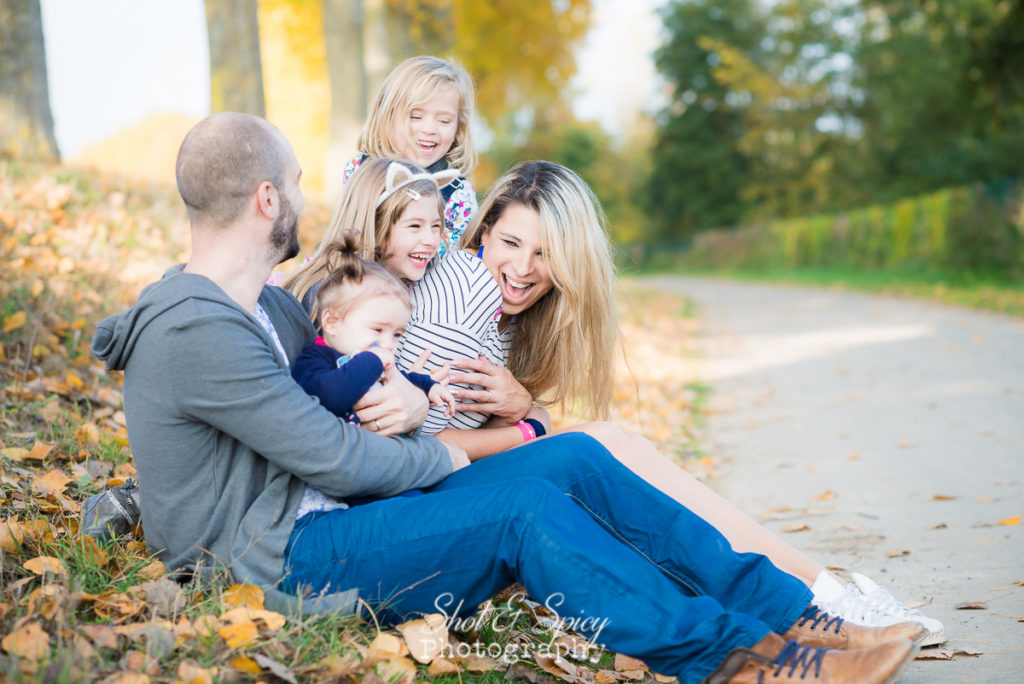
26,122
236,73
343,26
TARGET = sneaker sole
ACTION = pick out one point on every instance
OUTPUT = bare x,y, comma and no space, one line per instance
895,674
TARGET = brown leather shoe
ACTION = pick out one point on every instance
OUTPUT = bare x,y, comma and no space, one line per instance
821,630
795,663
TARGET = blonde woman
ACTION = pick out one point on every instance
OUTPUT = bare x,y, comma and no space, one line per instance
541,234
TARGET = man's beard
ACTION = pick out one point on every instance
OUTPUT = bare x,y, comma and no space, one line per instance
284,238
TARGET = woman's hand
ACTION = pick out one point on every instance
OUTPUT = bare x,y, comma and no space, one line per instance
502,396
394,409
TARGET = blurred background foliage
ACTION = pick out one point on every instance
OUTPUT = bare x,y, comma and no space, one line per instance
778,115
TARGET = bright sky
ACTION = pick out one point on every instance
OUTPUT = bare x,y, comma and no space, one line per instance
111,63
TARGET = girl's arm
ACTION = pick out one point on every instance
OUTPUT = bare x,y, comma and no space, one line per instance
338,389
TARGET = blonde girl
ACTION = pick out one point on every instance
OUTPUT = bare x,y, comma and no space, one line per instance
422,113
401,212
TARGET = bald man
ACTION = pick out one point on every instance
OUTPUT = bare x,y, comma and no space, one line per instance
245,473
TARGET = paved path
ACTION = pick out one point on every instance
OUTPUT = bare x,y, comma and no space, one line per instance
894,430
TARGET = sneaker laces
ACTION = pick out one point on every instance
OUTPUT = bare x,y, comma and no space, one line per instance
854,606
884,602
816,615
795,655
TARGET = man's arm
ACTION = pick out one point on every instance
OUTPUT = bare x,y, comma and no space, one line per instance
225,375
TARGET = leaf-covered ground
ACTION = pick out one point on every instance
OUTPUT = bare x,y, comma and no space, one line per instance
78,246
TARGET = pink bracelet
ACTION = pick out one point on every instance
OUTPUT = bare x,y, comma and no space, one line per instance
527,430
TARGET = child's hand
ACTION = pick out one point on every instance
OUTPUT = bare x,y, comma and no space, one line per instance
440,395
386,357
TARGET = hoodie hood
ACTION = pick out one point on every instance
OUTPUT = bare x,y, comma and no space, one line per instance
117,335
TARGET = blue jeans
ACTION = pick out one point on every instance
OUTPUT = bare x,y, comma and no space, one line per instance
580,531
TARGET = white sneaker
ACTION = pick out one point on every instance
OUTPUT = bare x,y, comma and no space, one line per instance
887,610
846,601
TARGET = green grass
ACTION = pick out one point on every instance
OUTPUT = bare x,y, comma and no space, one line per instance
975,292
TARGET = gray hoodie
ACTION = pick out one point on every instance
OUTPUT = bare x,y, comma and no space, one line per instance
223,438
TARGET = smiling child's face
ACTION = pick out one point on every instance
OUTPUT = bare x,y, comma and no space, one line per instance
429,131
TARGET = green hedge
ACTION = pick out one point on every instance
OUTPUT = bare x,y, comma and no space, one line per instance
976,229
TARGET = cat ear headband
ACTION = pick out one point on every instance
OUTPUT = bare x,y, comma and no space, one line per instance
399,176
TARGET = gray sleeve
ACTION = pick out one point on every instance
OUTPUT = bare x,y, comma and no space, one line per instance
240,390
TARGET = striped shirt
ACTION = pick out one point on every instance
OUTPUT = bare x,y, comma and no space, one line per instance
455,315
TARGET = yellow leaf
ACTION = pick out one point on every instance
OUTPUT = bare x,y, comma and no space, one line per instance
191,672
1012,521
78,324
242,596
14,453
53,482
87,433
238,634
943,497
824,496
153,570
245,664
41,564
14,321
387,646
29,642
37,287
442,666
74,381
40,450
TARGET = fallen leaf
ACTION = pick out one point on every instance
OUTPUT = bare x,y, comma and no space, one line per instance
49,602
606,677
243,664
854,456
625,662
905,443
664,679
945,653
1012,521
442,666
972,605
53,482
426,638
153,570
897,552
394,670
387,646
40,450
516,673
43,564
938,526
279,670
126,678
943,497
796,527
102,636
14,321
29,642
242,596
87,433
191,672
238,634
137,661
983,498
14,453
824,496
164,596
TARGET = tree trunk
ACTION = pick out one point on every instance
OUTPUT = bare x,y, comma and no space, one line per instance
236,73
343,36
26,122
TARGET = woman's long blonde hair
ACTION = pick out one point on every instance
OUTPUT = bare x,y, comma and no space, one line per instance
412,83
359,214
563,345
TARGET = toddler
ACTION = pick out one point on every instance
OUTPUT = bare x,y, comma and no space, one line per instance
363,311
